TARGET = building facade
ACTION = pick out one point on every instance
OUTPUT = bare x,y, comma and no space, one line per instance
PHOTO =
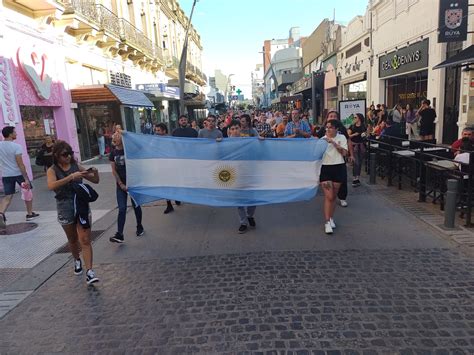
89,59
406,48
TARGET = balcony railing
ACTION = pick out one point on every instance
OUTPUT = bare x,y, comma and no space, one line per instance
109,22
132,35
85,8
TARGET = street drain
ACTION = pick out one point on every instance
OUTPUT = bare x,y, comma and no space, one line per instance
18,228
94,235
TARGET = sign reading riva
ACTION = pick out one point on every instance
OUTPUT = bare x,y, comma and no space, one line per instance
406,59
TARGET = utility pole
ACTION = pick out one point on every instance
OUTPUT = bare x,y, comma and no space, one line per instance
182,63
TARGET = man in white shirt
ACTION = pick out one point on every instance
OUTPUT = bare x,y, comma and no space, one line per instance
13,172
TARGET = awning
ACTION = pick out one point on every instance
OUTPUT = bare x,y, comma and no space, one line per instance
465,57
110,93
129,97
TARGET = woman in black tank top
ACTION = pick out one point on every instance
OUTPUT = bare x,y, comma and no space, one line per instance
64,171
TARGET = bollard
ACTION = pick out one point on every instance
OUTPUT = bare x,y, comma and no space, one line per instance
450,205
372,162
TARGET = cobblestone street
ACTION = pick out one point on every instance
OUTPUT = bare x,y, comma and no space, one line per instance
353,301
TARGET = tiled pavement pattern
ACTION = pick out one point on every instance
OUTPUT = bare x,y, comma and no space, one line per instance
344,302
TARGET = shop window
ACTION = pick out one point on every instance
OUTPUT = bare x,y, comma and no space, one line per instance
38,123
407,89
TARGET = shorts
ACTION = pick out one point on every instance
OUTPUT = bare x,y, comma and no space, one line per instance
66,213
335,173
9,183
427,129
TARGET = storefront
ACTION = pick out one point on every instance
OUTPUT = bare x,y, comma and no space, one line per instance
405,74
166,101
107,106
33,98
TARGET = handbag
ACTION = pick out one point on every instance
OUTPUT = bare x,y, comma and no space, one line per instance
39,157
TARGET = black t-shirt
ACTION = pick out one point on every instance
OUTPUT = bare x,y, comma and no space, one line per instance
428,117
357,129
185,132
118,157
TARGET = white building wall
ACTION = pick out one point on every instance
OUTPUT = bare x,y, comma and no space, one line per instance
396,24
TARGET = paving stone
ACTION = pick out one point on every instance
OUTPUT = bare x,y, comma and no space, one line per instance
335,301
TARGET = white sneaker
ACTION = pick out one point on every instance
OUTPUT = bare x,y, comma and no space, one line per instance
328,228
333,225
343,203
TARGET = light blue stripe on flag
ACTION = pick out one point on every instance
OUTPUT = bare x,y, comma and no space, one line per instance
234,172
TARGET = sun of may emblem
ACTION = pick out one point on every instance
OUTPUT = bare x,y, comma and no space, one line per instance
225,175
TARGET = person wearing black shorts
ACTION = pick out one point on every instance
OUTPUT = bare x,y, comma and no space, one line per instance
333,171
427,121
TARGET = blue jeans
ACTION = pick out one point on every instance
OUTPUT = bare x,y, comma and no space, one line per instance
122,198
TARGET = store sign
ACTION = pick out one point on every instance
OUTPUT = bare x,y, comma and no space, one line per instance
452,23
168,91
33,64
413,57
11,115
349,108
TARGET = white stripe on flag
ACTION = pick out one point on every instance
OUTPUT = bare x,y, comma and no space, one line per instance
223,174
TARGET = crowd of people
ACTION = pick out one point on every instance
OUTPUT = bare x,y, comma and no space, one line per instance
65,176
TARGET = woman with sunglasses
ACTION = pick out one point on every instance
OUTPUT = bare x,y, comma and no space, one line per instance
64,171
333,171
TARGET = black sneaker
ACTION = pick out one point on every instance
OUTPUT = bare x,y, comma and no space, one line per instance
117,238
169,209
252,222
31,216
3,221
90,277
140,231
77,267
356,183
242,229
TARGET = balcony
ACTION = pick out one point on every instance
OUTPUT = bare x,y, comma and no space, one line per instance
92,22
133,37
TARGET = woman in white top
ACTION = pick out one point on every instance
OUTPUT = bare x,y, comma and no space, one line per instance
332,171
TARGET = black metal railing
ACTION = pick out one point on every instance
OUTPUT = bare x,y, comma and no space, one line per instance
427,167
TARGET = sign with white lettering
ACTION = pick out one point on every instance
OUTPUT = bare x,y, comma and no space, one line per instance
452,23
349,108
413,57
11,114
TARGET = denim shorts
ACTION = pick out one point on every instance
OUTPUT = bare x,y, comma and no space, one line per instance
66,213
9,183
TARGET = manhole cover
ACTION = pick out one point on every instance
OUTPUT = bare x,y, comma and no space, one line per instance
18,228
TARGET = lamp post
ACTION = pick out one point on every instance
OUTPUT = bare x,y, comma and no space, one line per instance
226,87
182,63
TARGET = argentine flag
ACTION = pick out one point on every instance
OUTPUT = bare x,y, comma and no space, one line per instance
233,172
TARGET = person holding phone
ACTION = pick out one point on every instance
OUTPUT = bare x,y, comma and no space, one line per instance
60,177
333,171
117,162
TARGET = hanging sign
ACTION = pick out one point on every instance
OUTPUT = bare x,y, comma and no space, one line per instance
452,23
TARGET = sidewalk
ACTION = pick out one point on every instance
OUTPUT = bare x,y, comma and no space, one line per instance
19,253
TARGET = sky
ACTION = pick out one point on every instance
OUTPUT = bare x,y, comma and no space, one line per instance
232,32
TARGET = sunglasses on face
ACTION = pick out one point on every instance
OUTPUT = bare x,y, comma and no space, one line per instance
67,154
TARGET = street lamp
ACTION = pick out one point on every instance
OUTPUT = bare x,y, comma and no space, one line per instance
226,86
182,63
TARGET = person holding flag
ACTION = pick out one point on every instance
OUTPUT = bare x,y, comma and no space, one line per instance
117,161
